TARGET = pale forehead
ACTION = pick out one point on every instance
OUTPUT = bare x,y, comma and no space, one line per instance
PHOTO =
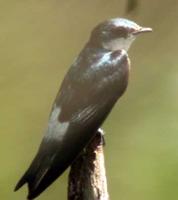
123,23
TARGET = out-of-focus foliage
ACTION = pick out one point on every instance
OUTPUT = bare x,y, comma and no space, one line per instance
131,5
38,42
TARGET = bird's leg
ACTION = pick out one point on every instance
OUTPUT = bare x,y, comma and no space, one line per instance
101,133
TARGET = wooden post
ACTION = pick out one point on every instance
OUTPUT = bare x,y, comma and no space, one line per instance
87,177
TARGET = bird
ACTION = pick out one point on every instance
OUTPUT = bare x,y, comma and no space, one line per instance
95,81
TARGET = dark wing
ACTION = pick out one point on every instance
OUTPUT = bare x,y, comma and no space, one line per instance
86,97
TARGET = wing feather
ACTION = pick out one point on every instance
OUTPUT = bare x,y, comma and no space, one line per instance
82,104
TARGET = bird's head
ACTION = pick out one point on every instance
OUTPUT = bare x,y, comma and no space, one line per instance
115,34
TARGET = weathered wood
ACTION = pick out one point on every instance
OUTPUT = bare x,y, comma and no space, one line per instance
87,177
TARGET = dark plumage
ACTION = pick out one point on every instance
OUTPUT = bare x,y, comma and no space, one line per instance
93,84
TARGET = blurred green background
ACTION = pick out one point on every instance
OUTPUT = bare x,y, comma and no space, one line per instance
38,42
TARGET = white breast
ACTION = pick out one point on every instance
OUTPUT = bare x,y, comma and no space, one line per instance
119,43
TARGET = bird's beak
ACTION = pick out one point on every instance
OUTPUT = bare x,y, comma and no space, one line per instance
142,30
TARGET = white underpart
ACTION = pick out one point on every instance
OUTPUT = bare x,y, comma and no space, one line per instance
56,129
119,43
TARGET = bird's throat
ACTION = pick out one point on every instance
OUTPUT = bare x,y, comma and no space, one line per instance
119,44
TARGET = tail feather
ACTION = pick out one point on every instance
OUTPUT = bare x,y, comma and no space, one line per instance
34,182
50,162
38,180
41,181
21,182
